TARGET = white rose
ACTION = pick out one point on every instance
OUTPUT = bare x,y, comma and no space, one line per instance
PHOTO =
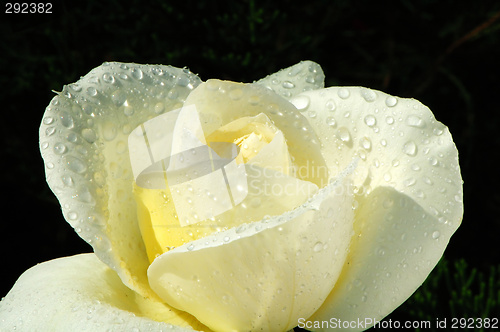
350,197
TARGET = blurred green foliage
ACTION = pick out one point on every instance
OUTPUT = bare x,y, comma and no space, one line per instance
402,47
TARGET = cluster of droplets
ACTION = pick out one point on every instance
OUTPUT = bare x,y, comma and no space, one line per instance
398,139
83,140
304,76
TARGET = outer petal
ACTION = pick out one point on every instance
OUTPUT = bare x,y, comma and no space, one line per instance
289,82
83,139
410,195
263,276
398,141
80,293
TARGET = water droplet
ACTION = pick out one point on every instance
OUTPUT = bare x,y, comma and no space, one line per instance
190,247
312,114
128,111
330,105
427,180
159,108
67,180
366,143
330,121
433,161
436,234
66,120
415,121
109,131
368,95
344,134
370,120
137,73
383,142
438,131
226,239
288,85
391,101
318,247
301,102
75,164
75,87
118,97
59,148
92,91
44,145
108,78
48,120
89,135
240,229
409,182
410,148
343,93
389,120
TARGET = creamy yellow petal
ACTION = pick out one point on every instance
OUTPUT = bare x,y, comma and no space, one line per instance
269,193
395,248
399,144
291,81
265,275
83,140
80,293
409,193
221,102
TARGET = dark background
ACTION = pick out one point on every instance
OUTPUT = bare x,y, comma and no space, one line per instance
445,54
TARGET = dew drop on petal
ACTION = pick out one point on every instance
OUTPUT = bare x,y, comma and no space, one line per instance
410,148
370,120
75,164
108,78
368,95
318,247
391,101
288,85
330,105
344,135
92,91
409,182
66,120
330,121
415,121
366,143
137,73
89,135
300,102
344,93
436,235
59,148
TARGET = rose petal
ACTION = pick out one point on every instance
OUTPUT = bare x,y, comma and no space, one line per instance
80,293
83,139
262,276
264,147
398,141
268,192
221,102
397,246
289,82
405,156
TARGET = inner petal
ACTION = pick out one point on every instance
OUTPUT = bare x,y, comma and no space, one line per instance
217,202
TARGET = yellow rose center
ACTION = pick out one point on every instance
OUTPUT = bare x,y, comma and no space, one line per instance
260,144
